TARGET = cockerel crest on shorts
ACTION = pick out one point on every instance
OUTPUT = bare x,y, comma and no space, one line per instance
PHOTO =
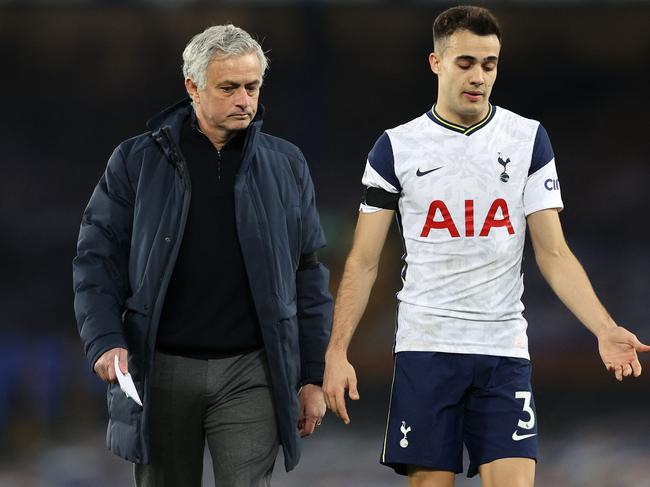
405,431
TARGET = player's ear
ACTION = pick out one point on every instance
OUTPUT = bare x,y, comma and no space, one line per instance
434,62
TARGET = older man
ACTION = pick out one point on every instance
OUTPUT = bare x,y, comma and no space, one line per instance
197,268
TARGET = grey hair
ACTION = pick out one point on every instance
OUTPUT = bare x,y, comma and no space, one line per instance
218,40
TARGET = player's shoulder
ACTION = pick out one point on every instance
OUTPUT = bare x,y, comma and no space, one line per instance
515,123
408,128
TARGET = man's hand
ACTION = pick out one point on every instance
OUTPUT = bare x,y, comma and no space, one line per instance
618,348
105,365
339,376
312,408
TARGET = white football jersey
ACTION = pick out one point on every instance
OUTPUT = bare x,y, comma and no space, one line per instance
462,196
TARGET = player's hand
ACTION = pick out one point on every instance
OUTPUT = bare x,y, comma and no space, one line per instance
618,348
105,365
312,408
339,376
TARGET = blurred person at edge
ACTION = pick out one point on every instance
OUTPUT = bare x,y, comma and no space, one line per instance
196,265
463,179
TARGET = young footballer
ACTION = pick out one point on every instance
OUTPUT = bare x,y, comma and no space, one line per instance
464,180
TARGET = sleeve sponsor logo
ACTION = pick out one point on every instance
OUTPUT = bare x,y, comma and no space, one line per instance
552,184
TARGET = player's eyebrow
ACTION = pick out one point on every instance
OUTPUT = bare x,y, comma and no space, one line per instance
472,59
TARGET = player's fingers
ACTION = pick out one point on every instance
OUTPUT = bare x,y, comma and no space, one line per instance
627,370
327,401
618,372
640,347
341,411
352,388
636,368
330,398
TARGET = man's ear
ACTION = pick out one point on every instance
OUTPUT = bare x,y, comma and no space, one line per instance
434,62
192,90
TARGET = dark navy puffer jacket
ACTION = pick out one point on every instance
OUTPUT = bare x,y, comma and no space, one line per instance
130,236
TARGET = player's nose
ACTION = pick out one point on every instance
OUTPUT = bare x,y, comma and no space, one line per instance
477,76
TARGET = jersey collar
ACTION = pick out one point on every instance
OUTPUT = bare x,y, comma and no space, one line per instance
434,116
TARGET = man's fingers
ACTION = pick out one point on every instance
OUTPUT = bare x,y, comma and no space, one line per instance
124,361
618,372
636,368
111,373
327,400
308,427
340,410
640,347
352,391
105,371
627,370
335,401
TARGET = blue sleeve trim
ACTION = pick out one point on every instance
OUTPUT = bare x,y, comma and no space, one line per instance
381,159
542,151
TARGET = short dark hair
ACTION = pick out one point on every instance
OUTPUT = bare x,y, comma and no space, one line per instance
477,20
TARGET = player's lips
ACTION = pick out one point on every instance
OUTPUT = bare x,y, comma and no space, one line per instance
473,95
240,115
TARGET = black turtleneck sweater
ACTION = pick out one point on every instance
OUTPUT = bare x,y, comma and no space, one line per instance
209,311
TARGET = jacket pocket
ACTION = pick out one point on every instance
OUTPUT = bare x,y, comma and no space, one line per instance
120,407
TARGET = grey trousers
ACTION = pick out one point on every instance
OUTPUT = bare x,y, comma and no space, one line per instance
226,401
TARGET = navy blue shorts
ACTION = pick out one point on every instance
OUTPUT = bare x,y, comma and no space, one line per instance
441,400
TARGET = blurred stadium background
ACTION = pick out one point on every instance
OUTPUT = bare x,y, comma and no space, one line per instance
80,76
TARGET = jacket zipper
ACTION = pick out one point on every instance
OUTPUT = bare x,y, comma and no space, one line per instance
218,164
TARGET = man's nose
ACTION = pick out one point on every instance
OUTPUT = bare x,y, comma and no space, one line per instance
242,99
477,76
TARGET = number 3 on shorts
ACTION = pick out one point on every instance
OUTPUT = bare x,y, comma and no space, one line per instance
526,396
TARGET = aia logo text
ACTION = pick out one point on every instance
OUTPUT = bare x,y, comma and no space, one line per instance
439,218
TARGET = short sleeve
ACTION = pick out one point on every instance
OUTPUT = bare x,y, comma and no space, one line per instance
542,190
382,186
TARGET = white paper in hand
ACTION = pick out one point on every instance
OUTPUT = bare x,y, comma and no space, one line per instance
126,383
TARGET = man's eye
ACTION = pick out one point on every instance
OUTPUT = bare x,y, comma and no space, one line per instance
226,89
489,67
464,66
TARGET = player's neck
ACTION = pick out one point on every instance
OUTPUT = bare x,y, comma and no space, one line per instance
459,118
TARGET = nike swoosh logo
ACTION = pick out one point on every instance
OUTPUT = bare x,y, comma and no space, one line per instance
422,173
517,437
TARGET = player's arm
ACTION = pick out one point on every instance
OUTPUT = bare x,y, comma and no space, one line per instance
567,278
351,301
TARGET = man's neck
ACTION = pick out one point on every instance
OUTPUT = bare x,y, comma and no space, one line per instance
458,118
219,138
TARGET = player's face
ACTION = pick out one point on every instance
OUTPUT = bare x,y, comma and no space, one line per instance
466,69
228,102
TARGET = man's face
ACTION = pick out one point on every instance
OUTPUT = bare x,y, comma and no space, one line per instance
228,102
466,65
